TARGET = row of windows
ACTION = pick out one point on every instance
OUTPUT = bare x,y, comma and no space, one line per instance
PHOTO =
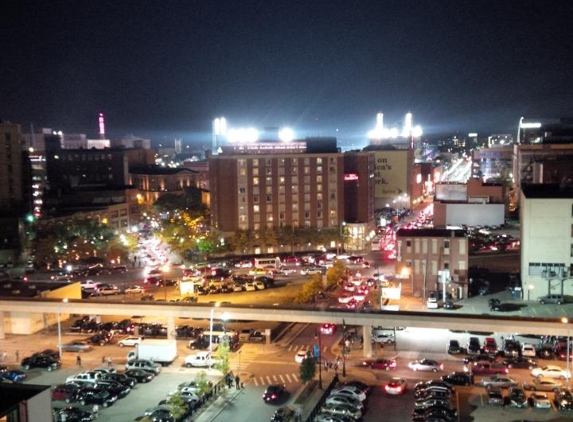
282,161
546,270
86,157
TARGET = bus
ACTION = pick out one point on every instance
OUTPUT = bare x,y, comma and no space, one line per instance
268,262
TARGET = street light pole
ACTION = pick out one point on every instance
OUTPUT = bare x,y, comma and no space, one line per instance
58,318
320,360
566,321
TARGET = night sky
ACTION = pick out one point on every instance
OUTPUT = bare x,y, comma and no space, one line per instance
166,68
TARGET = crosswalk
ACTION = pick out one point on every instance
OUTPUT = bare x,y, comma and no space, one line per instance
275,379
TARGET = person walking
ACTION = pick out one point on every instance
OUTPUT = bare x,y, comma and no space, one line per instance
102,360
17,355
109,361
237,382
78,360
4,355
95,411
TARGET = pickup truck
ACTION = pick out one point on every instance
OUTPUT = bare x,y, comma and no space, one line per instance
85,377
201,359
257,337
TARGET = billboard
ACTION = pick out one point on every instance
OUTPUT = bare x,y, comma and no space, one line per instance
451,192
391,173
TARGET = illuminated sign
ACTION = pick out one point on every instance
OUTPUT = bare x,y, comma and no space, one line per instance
350,177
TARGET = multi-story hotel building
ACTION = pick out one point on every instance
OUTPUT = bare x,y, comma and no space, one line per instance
277,184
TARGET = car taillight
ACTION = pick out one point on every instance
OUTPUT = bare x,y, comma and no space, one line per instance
399,388
386,387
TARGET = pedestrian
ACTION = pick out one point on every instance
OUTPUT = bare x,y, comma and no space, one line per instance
4,355
109,362
95,410
102,360
78,360
237,382
326,365
17,354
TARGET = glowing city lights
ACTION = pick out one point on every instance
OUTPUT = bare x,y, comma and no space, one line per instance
408,131
286,134
247,135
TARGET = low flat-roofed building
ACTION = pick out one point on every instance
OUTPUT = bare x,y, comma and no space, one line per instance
546,215
25,402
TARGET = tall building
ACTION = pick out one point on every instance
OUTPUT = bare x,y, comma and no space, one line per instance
276,184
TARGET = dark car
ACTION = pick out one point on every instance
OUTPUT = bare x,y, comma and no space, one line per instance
474,346
516,397
380,363
274,393
443,412
458,378
121,378
66,392
563,400
510,348
72,414
283,414
41,361
139,375
487,368
114,387
433,383
520,362
54,354
495,397
454,347
480,357
95,396
433,401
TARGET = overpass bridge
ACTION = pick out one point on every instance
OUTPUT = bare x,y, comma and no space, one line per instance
21,308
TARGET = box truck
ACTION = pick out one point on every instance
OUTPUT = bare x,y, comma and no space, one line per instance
163,352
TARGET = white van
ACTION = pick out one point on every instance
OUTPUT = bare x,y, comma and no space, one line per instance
383,336
528,350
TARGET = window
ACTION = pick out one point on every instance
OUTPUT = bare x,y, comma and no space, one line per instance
319,214
318,160
307,197
281,180
319,179
269,198
242,190
269,171
255,172
268,162
281,215
269,189
319,196
306,170
256,199
255,162
447,244
319,169
256,208
408,243
242,172
255,181
446,265
269,217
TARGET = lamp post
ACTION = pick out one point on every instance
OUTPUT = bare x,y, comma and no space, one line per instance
319,359
211,327
564,320
529,290
58,317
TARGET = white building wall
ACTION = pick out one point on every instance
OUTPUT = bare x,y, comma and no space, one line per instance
475,214
546,238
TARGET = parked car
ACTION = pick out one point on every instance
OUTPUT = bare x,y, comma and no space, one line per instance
563,400
490,345
95,396
516,397
134,290
500,381
474,346
552,299
66,392
539,401
14,375
454,347
495,397
140,375
543,384
121,378
130,341
145,365
71,413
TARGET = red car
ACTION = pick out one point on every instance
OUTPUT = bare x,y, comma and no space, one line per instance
380,363
485,367
328,328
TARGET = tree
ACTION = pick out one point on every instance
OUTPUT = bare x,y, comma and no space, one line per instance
309,289
335,275
177,406
307,369
203,384
223,352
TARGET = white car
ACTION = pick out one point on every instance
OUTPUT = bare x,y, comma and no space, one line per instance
341,410
130,341
134,290
300,356
349,391
539,401
550,371
335,399
345,297
426,365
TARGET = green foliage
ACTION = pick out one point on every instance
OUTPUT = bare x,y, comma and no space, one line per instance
307,369
309,289
177,405
336,274
203,384
222,353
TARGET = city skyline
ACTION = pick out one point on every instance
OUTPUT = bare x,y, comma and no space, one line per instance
324,68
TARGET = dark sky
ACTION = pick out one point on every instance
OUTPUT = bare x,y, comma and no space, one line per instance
166,68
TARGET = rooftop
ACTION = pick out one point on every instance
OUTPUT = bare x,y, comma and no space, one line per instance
547,191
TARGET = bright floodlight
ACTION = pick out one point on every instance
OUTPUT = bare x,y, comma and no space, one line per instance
286,134
246,135
417,131
532,125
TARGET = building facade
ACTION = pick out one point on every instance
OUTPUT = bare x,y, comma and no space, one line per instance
546,215
422,253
